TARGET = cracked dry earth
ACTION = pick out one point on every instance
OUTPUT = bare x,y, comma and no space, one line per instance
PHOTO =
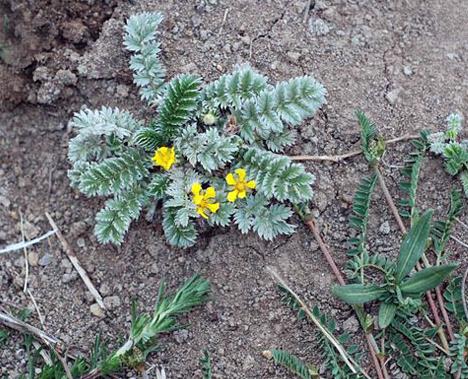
403,62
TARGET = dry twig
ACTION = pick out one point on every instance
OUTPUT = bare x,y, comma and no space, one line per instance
76,263
23,244
342,157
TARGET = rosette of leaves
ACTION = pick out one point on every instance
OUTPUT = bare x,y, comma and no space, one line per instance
181,164
401,288
453,149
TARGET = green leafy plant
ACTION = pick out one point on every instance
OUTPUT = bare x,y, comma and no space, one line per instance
143,339
454,151
205,363
399,287
209,153
292,363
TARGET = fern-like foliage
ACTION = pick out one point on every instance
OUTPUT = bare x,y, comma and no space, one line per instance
372,144
205,363
288,102
458,352
176,234
277,176
267,221
293,364
140,39
114,175
453,296
332,359
441,230
414,352
232,90
176,108
409,183
101,133
113,221
210,149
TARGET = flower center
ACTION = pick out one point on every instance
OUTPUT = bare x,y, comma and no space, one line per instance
240,186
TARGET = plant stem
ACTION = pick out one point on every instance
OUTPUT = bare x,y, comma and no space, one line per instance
342,157
430,300
373,348
354,367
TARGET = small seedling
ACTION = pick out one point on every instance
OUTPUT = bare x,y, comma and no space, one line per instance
143,339
209,156
453,150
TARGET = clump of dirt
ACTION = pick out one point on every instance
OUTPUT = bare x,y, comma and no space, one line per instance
402,63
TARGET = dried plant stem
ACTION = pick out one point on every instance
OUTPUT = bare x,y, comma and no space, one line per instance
401,225
373,348
342,157
76,263
354,367
23,327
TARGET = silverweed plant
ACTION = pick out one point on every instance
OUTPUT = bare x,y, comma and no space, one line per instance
452,148
209,154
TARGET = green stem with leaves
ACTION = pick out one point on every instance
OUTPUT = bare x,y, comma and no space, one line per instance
401,225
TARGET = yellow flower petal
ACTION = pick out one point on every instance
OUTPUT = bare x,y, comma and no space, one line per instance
210,193
241,173
242,194
232,196
201,212
213,207
196,188
197,199
251,184
230,179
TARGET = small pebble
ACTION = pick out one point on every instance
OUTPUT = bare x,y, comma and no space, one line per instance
112,302
96,310
45,260
33,258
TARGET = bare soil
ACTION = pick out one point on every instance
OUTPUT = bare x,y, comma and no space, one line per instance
403,62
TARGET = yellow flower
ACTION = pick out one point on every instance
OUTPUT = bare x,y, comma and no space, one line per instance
238,185
164,157
204,200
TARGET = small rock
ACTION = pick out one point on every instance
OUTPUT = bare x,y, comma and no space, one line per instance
294,55
385,228
351,325
96,310
248,363
66,77
69,277
74,31
42,74
48,92
65,263
181,335
30,230
78,228
4,201
318,27
33,258
392,96
122,90
104,289
81,242
407,70
112,302
45,260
